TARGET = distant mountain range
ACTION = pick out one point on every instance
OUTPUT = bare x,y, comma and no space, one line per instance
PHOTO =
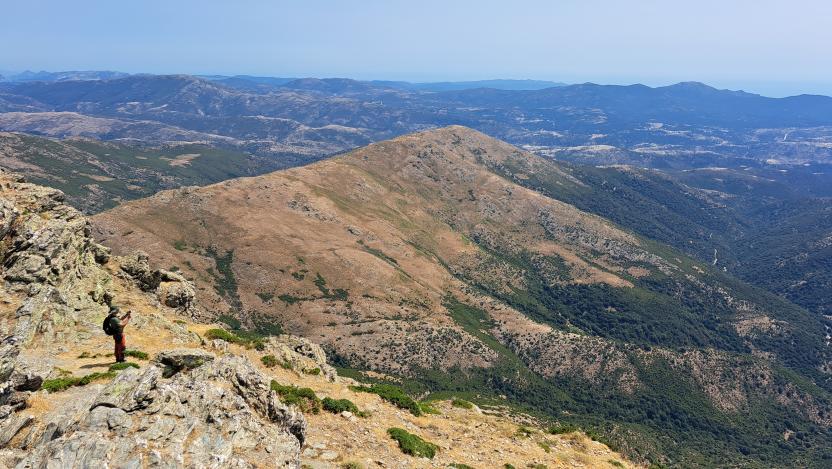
769,157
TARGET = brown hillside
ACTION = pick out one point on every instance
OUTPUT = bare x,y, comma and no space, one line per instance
359,252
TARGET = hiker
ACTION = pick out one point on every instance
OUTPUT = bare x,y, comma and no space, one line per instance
114,326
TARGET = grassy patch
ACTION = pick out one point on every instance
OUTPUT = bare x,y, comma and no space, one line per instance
136,354
429,409
462,404
393,395
312,371
615,463
269,361
180,245
303,398
412,444
66,382
546,447
123,366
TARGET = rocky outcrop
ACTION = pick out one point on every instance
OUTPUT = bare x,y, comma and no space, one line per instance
210,412
301,354
172,289
186,408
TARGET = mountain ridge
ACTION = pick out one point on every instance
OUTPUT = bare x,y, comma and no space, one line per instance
414,258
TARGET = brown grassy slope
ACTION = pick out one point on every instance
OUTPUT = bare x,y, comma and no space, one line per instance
385,227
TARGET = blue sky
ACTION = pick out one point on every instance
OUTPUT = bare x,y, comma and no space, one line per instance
773,47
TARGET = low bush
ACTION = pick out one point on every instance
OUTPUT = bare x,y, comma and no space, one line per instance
462,404
269,361
412,444
303,398
247,342
560,429
428,408
392,394
336,406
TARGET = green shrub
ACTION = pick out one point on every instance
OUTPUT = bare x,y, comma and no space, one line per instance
560,429
136,354
221,334
615,463
180,245
122,366
545,446
336,406
428,408
303,398
249,341
392,394
269,361
508,466
266,297
462,404
312,371
412,444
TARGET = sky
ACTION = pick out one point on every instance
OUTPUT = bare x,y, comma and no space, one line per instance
772,47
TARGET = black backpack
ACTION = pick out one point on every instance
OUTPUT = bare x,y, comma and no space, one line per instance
108,325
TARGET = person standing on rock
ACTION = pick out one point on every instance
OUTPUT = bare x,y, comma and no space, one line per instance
114,326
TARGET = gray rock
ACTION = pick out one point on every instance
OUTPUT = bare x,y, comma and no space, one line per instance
179,359
219,414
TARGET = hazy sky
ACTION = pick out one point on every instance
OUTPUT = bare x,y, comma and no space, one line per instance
774,47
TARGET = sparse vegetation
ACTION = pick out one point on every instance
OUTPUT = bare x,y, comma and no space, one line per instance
524,431
457,465
253,341
412,444
545,445
265,297
304,399
312,371
392,394
462,404
136,354
615,463
560,429
351,465
269,361
180,245
67,381
123,366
